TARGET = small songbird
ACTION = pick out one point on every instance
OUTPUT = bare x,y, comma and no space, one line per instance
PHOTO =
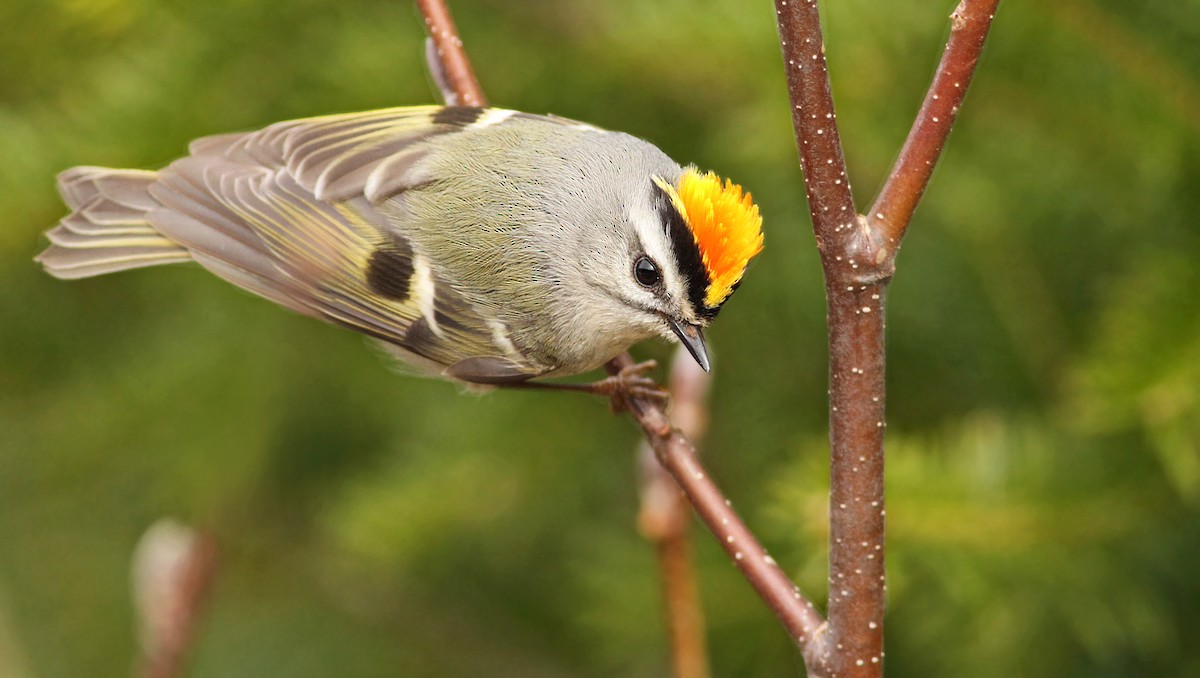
478,244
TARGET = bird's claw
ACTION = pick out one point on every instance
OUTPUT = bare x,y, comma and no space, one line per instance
631,382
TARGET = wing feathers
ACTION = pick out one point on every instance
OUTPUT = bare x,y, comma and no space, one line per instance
395,174
289,213
347,175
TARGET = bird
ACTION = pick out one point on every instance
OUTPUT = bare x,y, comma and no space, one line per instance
485,246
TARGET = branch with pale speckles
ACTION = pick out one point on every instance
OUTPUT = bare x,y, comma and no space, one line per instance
854,291
858,258
894,207
453,69
817,137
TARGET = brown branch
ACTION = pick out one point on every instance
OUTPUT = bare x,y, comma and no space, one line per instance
854,280
455,66
665,521
894,207
677,455
437,71
856,508
858,257
174,568
817,137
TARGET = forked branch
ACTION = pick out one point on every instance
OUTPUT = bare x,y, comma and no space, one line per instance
858,257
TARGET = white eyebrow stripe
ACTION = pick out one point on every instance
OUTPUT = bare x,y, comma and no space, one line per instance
653,235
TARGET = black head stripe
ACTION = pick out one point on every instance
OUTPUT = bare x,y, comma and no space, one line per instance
459,116
687,253
390,269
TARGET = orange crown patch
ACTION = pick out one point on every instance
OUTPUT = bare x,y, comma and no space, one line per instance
726,225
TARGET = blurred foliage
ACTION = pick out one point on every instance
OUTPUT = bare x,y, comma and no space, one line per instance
1044,456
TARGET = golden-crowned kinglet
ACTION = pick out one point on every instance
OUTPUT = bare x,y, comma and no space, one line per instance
483,245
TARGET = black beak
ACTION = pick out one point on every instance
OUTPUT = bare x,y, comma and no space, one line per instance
693,339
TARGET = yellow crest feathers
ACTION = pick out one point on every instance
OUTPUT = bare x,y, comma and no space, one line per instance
726,225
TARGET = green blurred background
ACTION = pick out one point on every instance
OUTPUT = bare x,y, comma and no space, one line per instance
1044,473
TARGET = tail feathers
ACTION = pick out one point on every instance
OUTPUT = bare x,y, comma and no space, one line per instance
108,229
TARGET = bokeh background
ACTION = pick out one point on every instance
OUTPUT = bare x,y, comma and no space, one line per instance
1044,472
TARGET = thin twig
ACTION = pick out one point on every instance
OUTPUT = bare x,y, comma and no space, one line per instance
173,572
456,67
676,453
665,520
893,208
858,257
437,71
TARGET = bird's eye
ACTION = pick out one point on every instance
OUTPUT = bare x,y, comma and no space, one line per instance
646,272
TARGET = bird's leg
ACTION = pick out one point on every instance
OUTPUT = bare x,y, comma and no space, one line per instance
630,381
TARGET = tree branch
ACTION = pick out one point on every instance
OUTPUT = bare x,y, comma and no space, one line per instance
854,281
893,208
813,117
173,570
456,71
678,456
858,257
665,519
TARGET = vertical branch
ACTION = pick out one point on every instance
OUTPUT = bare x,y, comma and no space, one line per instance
665,520
854,282
858,257
856,509
173,570
455,68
